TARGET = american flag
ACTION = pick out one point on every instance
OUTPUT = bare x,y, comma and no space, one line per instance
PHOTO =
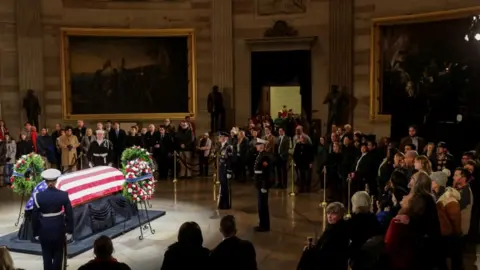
90,184
39,188
85,185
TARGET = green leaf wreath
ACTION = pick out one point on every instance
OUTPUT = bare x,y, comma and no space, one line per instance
137,162
27,173
133,153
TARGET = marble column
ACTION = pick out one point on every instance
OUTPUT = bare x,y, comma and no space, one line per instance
28,18
222,53
341,47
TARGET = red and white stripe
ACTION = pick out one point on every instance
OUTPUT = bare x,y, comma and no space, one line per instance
90,184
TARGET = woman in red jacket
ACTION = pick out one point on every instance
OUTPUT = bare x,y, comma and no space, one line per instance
399,243
34,134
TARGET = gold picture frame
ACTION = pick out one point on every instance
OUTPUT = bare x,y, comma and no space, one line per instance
89,32
375,50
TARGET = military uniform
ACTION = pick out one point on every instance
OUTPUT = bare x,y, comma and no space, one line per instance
224,173
261,169
52,221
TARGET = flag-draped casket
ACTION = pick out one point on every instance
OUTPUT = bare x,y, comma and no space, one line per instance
95,198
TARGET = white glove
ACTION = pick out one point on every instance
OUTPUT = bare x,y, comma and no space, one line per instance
37,238
263,190
68,236
90,164
110,164
229,176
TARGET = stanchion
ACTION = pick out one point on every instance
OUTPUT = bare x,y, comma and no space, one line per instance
174,166
324,203
292,183
348,215
217,181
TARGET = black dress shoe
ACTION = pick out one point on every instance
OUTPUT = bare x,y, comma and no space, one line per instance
260,229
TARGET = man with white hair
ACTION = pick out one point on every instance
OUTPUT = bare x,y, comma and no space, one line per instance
100,152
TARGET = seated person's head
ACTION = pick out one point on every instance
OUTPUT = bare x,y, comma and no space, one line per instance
228,226
361,202
410,147
410,158
398,160
103,247
6,261
335,212
190,234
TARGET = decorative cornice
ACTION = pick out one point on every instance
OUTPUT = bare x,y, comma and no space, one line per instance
281,43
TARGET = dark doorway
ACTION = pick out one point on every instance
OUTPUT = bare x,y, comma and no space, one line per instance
277,68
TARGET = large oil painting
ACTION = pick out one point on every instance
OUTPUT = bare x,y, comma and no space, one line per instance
128,74
431,67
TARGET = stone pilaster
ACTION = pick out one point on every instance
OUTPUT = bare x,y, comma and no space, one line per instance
341,46
28,18
222,53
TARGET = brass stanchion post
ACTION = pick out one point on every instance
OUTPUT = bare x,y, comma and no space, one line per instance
348,215
292,184
174,166
324,203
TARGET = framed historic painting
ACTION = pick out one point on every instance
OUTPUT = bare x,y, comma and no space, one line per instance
422,62
125,74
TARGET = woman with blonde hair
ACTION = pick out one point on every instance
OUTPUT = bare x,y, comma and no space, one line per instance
6,261
422,163
422,217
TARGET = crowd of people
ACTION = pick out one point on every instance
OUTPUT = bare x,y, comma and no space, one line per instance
413,204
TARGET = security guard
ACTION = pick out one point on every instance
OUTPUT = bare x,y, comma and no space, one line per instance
225,172
262,182
52,225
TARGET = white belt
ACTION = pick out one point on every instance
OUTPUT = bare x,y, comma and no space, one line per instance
258,172
100,155
52,214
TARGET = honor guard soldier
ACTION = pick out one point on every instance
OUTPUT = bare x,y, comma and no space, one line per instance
52,221
262,182
224,172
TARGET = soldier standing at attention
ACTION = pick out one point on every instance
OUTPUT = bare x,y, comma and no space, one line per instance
52,222
224,172
262,182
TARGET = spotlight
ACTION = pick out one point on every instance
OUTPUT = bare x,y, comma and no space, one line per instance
466,38
477,37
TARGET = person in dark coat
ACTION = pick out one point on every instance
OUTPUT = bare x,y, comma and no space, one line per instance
24,146
232,253
118,137
334,179
303,156
103,250
188,252
330,252
133,139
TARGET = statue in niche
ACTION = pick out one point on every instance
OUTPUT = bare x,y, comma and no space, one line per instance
32,107
337,103
216,109
276,7
281,29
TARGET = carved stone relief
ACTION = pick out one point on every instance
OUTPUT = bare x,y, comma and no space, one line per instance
280,29
276,7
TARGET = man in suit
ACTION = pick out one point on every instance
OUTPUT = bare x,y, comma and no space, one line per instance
412,138
118,137
233,253
52,222
362,176
163,151
282,148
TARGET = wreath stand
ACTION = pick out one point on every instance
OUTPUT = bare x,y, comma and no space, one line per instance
143,206
21,213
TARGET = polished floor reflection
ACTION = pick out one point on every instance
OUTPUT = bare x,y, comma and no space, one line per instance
292,218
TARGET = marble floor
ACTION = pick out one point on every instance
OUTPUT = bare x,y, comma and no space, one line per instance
292,218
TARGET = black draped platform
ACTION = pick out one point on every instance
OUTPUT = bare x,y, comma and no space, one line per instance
111,216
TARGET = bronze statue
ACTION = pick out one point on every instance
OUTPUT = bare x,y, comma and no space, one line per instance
32,107
216,109
337,102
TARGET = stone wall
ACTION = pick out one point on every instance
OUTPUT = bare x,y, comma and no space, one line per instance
222,55
364,11
249,24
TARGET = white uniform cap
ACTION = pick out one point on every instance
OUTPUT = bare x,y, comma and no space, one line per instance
261,141
99,131
51,174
